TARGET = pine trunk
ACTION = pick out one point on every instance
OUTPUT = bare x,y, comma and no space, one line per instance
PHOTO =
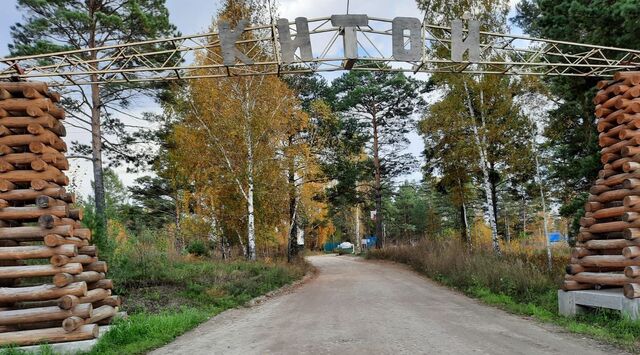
96,129
377,185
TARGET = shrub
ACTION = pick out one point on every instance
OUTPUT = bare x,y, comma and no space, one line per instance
197,247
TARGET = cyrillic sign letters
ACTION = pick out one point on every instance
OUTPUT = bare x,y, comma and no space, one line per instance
406,35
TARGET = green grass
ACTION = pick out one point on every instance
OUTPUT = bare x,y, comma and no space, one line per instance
168,301
514,284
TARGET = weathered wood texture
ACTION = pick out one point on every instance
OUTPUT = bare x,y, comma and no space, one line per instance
37,223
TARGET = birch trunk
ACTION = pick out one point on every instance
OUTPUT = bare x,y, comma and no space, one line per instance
486,183
251,227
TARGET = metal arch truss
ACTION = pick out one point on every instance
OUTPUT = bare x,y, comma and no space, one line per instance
173,58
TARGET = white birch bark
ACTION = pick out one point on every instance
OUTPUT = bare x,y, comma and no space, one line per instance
485,174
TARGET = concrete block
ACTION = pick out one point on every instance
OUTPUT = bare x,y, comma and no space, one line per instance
571,303
567,304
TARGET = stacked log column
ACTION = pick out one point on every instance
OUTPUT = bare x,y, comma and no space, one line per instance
608,249
52,285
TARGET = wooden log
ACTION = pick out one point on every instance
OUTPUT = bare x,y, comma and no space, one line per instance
98,266
4,94
106,284
68,301
95,295
609,244
609,157
629,151
51,174
612,133
48,221
632,234
600,278
20,104
75,213
100,313
573,269
602,126
18,87
41,184
631,252
113,301
569,285
36,252
613,195
31,194
59,260
72,323
632,271
6,185
81,259
64,279
609,212
32,213
593,206
44,201
30,326
630,201
44,136
83,233
632,290
58,161
54,240
633,91
14,272
33,315
630,216
5,166
46,121
617,226
29,233
605,261
587,221
90,250
39,165
49,335
41,292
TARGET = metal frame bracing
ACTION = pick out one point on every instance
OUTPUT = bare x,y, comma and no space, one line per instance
173,58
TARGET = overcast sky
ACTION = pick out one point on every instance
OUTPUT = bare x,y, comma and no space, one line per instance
192,16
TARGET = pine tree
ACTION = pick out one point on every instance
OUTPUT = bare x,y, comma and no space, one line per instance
383,103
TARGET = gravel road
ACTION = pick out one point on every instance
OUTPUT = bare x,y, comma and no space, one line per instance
354,306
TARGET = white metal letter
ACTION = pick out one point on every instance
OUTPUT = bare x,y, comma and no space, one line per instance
289,45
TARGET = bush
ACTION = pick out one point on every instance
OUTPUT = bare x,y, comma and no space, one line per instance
198,248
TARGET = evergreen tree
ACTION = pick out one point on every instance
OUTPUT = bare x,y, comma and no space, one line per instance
383,104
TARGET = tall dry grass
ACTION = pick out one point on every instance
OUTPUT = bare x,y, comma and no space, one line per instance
524,276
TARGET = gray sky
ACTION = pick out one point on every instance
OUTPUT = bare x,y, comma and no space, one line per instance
192,16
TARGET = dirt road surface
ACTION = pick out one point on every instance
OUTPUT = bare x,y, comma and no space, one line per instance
355,306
